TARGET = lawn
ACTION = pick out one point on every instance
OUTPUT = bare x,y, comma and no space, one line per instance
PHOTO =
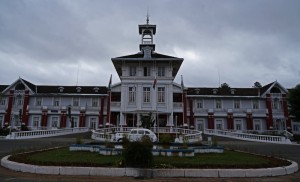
229,159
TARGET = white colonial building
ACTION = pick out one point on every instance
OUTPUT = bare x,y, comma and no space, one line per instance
147,86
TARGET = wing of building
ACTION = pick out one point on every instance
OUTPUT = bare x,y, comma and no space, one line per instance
147,86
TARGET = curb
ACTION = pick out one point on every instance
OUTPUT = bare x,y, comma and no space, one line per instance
149,173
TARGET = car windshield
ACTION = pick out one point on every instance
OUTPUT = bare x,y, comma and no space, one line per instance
147,132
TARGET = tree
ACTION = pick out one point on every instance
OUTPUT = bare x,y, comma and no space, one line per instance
294,101
257,85
225,85
147,121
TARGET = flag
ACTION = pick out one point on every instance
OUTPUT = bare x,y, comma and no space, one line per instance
182,85
109,84
154,83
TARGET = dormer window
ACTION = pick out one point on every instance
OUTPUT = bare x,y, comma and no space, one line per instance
96,89
232,91
78,89
215,91
61,89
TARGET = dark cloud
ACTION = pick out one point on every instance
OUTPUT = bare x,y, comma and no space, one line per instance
53,42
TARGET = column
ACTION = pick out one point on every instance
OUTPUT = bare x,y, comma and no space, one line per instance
9,108
108,115
210,121
25,108
230,121
82,119
101,112
44,118
286,113
249,121
184,109
63,119
192,117
269,114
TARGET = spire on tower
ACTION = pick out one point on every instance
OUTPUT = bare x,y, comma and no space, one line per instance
147,20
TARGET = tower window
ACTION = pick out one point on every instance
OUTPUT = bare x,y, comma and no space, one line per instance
131,94
146,94
161,71
146,71
132,71
161,94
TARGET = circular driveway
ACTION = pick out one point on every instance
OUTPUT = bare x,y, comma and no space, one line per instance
291,152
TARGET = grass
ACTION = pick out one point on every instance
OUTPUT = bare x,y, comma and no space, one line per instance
229,159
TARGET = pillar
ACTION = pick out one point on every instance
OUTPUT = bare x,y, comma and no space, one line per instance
269,114
9,108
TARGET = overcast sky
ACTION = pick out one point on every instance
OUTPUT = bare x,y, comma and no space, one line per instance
69,42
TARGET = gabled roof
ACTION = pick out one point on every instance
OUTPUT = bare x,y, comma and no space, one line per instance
31,87
267,88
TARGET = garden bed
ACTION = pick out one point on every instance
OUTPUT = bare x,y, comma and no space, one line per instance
228,159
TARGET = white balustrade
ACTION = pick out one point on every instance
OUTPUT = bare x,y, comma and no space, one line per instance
45,133
105,134
248,136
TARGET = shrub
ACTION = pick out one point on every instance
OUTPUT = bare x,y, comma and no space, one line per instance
138,154
165,139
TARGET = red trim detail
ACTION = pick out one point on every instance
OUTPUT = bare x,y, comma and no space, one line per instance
9,107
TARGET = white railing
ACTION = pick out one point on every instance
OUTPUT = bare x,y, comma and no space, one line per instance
248,136
105,134
45,133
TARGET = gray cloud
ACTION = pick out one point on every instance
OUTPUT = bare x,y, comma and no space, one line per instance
47,42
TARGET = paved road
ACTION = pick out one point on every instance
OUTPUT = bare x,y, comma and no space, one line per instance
10,146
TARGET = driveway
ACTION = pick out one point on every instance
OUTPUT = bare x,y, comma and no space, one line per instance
291,152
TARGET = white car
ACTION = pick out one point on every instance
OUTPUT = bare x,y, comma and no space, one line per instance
137,134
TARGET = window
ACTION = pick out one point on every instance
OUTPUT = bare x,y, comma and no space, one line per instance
161,71
18,100
2,101
54,122
55,101
76,101
161,94
218,104
95,102
238,125
36,122
199,104
257,125
38,101
131,94
255,104
219,124
146,71
146,94
276,104
237,104
75,122
132,71
93,123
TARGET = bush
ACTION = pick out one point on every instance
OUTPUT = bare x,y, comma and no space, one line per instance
165,139
125,142
138,154
4,131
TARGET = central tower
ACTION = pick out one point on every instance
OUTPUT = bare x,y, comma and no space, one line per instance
146,82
